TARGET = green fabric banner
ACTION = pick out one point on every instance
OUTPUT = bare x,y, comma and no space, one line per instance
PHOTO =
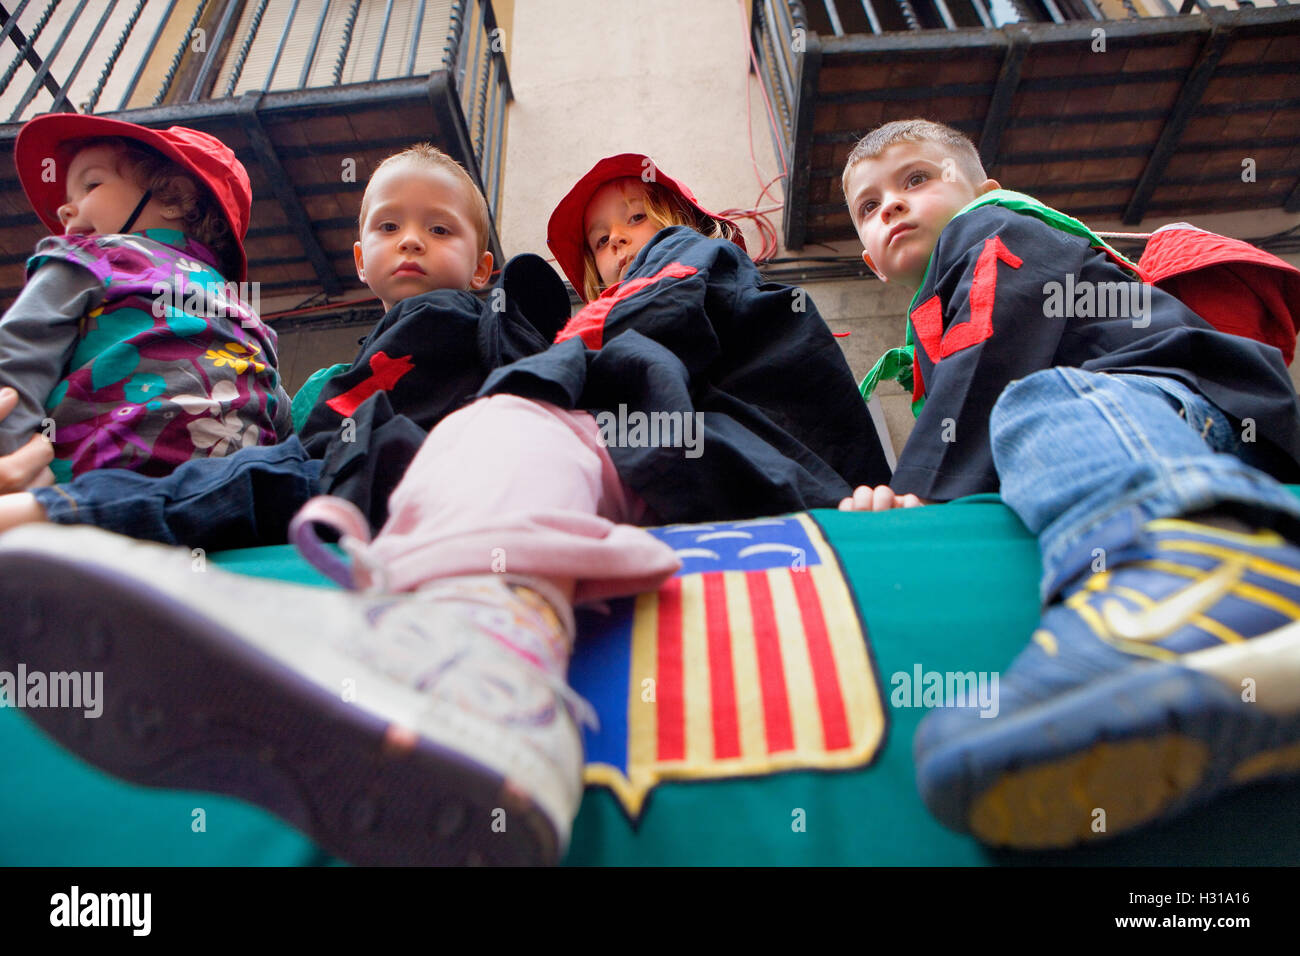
950,588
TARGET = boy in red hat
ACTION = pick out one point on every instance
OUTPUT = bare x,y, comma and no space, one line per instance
131,345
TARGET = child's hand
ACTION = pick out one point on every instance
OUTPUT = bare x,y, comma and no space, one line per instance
27,467
882,498
19,509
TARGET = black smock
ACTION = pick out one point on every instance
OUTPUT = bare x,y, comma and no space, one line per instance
693,329
1001,261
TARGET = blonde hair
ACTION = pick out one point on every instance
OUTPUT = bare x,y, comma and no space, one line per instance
173,185
664,208
431,157
963,151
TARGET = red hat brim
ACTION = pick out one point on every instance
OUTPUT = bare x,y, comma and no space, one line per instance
564,232
1175,250
1210,273
211,162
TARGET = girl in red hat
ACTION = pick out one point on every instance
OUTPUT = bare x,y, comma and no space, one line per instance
614,210
131,345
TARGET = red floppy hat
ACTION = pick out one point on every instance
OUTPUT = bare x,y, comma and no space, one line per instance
564,232
208,159
1233,285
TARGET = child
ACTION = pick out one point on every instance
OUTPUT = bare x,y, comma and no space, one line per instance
422,243
1164,669
127,346
456,737
685,326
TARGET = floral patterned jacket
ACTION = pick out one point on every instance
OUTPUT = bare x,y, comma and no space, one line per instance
168,361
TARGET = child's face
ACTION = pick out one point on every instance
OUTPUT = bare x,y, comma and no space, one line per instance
616,226
100,199
418,235
901,200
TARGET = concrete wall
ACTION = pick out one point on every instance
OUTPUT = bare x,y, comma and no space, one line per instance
667,79
303,352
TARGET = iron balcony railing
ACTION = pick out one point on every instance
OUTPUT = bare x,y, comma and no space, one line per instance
150,53
812,118
842,17
781,30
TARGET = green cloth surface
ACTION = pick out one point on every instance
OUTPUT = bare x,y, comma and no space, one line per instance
946,587
305,399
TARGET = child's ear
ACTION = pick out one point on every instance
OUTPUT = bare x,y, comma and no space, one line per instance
987,187
360,262
482,272
872,266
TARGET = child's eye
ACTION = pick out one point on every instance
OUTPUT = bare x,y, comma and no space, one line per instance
440,231
917,178
868,207
637,217
600,243
388,227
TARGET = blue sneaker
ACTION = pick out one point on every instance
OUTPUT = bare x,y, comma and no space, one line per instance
1148,688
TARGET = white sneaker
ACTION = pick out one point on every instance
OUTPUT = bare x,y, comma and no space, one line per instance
406,729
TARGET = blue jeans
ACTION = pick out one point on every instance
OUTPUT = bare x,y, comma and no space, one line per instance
239,501
1086,458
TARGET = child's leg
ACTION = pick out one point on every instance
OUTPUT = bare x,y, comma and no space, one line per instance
1166,666
513,486
511,512
239,501
411,728
1089,455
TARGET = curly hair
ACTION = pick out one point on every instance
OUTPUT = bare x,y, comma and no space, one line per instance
173,185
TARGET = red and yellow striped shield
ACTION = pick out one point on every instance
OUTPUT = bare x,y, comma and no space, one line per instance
751,660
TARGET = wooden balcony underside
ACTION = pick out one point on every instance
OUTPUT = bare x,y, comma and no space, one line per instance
1162,123
296,145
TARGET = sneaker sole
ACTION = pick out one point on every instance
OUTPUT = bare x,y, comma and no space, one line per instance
1140,746
227,718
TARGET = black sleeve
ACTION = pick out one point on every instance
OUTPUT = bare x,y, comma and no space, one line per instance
780,357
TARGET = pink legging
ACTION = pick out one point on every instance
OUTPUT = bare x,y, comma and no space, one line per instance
509,484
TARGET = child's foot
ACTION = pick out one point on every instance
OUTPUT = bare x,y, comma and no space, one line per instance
412,729
1149,687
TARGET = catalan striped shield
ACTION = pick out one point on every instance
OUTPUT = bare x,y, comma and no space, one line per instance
751,660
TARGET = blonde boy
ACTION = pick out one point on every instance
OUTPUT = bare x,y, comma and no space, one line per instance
1120,440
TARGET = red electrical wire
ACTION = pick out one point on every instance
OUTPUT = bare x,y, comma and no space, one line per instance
319,308
770,241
